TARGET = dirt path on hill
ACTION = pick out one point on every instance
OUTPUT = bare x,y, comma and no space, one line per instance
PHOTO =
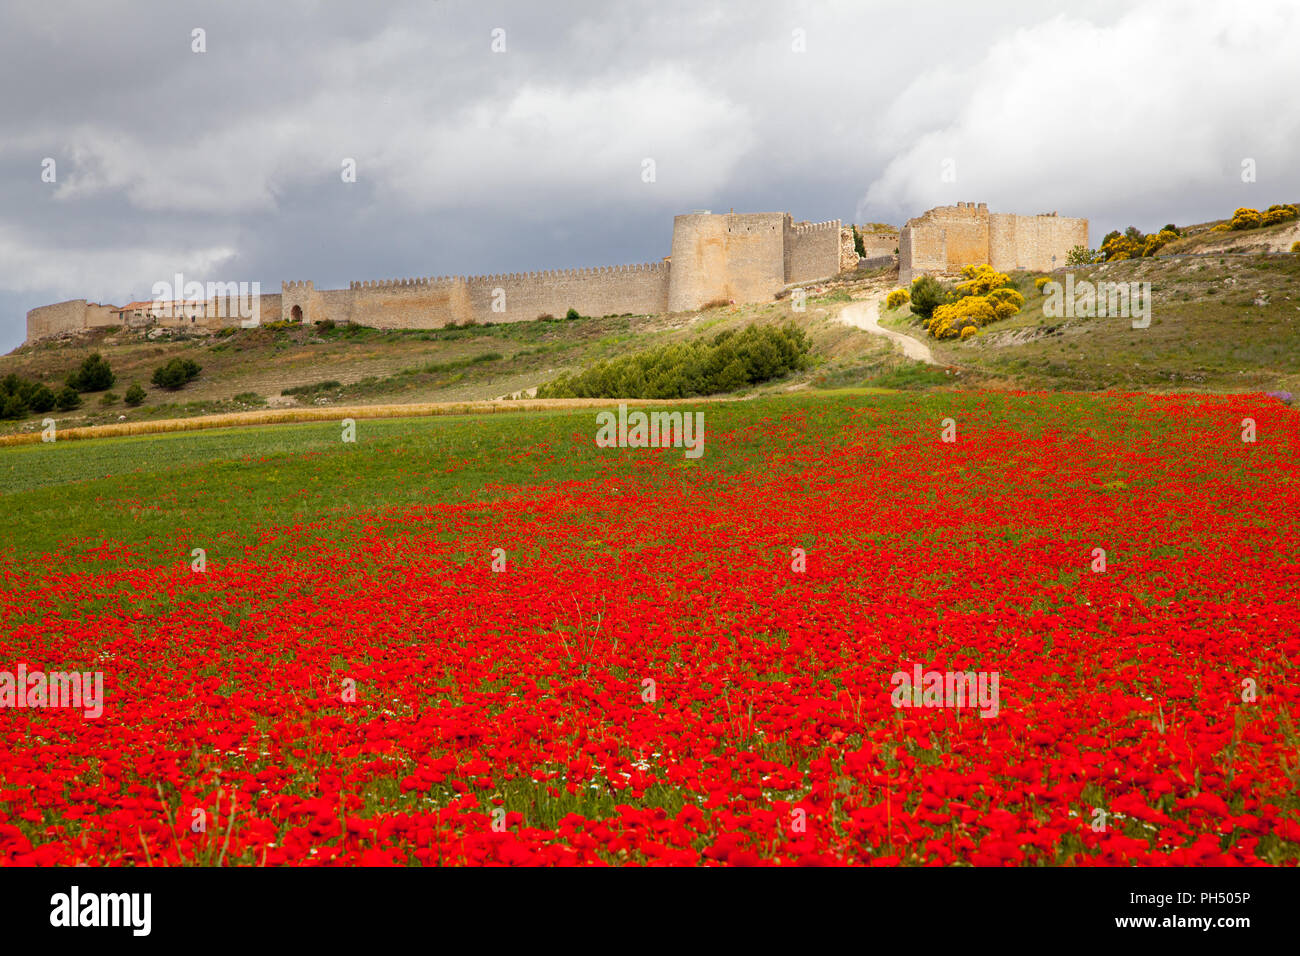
865,315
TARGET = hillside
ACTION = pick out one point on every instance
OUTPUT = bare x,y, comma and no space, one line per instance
1201,239
1217,324
282,365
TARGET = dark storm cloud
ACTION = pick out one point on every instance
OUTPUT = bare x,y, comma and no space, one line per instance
226,165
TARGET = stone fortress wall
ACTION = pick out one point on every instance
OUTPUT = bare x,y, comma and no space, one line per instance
732,257
71,316
744,258
724,258
809,248
880,248
434,302
877,244
716,258
946,238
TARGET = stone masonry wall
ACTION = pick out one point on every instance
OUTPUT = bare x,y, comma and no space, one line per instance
1031,242
848,250
922,247
48,320
609,290
813,250
730,257
878,244
425,303
433,302
947,238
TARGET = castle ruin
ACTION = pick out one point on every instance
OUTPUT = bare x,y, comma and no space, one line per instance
947,238
730,257
715,258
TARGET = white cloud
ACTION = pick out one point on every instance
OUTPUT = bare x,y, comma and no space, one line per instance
108,273
1078,117
586,142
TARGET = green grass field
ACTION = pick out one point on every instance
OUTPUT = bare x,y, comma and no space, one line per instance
154,493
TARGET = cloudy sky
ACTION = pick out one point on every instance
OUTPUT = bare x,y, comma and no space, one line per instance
227,165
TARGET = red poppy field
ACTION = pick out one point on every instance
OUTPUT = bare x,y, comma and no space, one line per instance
675,661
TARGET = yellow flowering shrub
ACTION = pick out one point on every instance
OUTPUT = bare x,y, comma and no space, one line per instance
971,311
1280,213
1154,242
1007,295
1245,218
981,280
1041,281
967,332
1120,247
896,298
1295,247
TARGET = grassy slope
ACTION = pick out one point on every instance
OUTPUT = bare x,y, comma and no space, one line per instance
1205,333
1202,239
381,366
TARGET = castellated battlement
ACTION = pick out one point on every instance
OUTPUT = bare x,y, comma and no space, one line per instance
804,228
421,282
579,273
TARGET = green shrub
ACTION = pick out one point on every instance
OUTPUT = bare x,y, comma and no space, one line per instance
67,399
12,407
135,395
15,396
42,399
729,361
109,398
312,389
94,375
176,373
249,398
858,246
927,294
572,314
